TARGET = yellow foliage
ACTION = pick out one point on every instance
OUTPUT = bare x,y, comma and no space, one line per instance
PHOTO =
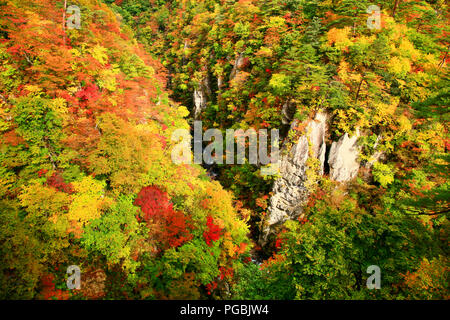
99,53
228,246
264,52
87,201
107,79
345,75
38,198
384,112
33,89
183,111
277,22
345,118
366,40
399,30
46,203
404,124
239,80
435,135
339,37
400,66
406,49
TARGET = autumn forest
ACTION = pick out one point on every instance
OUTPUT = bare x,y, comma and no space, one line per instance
95,96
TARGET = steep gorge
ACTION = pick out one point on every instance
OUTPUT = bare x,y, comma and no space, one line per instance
87,120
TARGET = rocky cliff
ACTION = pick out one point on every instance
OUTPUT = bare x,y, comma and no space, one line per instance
343,158
290,191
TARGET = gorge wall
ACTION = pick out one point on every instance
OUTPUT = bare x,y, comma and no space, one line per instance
290,191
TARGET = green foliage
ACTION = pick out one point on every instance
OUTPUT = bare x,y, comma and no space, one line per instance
258,283
328,256
383,174
115,234
20,256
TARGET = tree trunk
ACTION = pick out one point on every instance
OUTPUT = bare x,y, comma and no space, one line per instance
64,22
395,8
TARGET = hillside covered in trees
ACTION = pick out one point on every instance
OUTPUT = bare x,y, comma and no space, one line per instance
93,92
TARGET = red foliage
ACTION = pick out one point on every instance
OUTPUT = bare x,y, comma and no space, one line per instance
303,220
153,202
240,249
56,181
49,291
278,243
226,273
89,93
405,144
42,172
211,286
177,229
163,141
204,203
174,225
12,138
213,233
247,260
316,196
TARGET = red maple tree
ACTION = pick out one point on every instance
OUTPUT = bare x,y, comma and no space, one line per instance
174,226
213,233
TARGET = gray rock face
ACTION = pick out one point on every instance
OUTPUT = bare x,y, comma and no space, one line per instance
201,96
343,158
199,102
289,191
238,63
287,112
220,82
